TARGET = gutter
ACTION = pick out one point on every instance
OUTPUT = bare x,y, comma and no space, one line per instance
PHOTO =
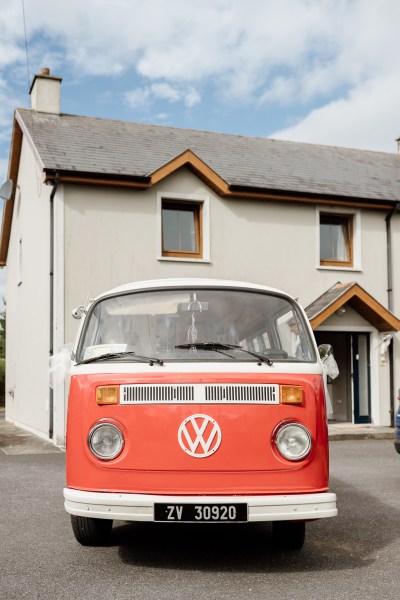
93,178
51,340
240,191
388,220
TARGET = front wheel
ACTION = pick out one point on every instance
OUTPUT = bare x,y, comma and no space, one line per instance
91,532
289,535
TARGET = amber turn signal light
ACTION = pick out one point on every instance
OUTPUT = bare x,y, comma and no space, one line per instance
107,394
291,394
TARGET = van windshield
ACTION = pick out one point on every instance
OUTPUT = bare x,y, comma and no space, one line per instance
204,324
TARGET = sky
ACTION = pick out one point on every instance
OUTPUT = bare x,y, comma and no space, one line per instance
317,71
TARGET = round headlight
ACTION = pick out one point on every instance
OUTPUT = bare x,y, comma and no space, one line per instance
293,441
106,441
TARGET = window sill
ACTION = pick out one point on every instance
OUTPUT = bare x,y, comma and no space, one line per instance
338,268
179,259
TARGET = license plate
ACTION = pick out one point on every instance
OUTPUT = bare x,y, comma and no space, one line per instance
201,513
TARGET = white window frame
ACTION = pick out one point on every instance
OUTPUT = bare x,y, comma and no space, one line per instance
202,199
356,238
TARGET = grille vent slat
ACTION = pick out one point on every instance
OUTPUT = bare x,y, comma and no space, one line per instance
251,394
199,394
148,394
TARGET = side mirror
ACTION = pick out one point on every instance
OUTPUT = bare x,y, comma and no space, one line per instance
329,364
325,351
78,312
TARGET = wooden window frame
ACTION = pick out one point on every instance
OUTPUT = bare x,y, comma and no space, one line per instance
190,206
349,240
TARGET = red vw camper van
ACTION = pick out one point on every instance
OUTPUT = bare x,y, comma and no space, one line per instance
199,401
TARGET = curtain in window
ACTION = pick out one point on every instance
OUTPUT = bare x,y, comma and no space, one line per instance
334,239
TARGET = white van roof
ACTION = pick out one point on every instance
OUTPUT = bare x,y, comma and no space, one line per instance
189,282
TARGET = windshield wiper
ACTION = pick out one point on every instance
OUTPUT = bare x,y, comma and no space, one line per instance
113,355
218,347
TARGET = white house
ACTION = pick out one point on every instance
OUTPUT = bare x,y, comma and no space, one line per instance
97,203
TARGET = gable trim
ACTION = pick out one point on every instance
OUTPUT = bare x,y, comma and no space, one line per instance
196,165
363,303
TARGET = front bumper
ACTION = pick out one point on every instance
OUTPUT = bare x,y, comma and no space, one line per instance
140,507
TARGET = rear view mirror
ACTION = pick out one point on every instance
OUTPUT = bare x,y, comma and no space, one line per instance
194,304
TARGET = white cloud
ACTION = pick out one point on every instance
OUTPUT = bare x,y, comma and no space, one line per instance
228,40
8,101
3,173
145,96
160,117
138,97
165,91
282,90
364,119
191,97
10,53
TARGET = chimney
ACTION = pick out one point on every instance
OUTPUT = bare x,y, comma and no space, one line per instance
45,92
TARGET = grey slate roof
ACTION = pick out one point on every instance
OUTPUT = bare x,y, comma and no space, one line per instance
327,298
108,147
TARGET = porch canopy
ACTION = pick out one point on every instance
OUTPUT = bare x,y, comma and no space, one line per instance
355,296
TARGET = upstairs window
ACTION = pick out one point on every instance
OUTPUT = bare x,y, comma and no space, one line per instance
336,239
181,229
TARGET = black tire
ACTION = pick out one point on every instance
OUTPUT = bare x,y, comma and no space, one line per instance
91,532
289,535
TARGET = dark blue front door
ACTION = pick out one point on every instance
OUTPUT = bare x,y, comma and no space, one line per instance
361,377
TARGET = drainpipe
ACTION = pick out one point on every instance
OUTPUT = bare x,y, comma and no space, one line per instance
51,344
388,220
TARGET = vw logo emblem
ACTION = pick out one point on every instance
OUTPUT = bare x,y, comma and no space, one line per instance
199,436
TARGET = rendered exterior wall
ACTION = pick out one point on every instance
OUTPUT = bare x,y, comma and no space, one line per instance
27,388
111,238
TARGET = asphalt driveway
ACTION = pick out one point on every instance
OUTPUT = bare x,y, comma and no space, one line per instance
353,555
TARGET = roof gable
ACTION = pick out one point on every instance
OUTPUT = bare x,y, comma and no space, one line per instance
194,163
356,297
